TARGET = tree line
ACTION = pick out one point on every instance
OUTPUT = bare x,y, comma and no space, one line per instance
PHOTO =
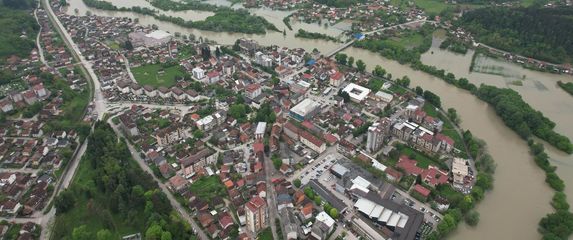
521,117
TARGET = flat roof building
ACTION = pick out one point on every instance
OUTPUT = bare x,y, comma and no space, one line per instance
356,92
338,170
459,170
304,110
402,221
260,130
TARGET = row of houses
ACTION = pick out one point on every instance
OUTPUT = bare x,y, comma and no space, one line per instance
161,92
25,98
304,136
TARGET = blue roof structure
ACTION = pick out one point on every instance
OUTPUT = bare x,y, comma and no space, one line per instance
359,36
311,62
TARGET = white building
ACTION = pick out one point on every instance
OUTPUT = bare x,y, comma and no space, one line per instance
305,109
459,170
206,123
375,138
326,219
384,96
357,93
198,73
260,130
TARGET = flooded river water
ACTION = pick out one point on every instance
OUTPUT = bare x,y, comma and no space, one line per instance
520,196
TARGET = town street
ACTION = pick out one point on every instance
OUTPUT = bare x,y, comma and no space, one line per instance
271,196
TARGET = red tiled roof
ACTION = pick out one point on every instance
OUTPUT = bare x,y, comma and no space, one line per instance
307,124
307,209
258,147
336,76
422,190
392,172
330,138
229,184
225,221
434,176
255,203
292,127
311,138
445,138
212,74
427,137
253,87
195,116
409,165
347,117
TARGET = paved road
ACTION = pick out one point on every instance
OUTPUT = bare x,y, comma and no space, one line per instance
399,25
99,100
176,205
38,45
271,196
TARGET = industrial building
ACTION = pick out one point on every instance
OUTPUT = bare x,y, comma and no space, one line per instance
304,110
395,221
152,39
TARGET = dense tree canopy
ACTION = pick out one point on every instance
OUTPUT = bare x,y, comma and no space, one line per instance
113,191
542,33
17,33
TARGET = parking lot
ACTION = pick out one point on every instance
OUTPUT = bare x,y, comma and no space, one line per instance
317,168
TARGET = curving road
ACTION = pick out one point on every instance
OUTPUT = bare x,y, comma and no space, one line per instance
86,67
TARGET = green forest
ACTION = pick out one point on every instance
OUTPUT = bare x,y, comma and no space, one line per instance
18,31
111,196
234,21
541,33
314,35
399,48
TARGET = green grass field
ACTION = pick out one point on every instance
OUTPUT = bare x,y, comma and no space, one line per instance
436,6
407,41
207,188
149,75
423,160
432,6
265,234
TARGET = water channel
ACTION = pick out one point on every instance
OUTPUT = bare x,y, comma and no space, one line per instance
520,196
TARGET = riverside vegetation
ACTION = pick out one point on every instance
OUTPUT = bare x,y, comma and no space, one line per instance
224,20
313,35
568,87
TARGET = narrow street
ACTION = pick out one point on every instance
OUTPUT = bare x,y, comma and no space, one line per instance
271,196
